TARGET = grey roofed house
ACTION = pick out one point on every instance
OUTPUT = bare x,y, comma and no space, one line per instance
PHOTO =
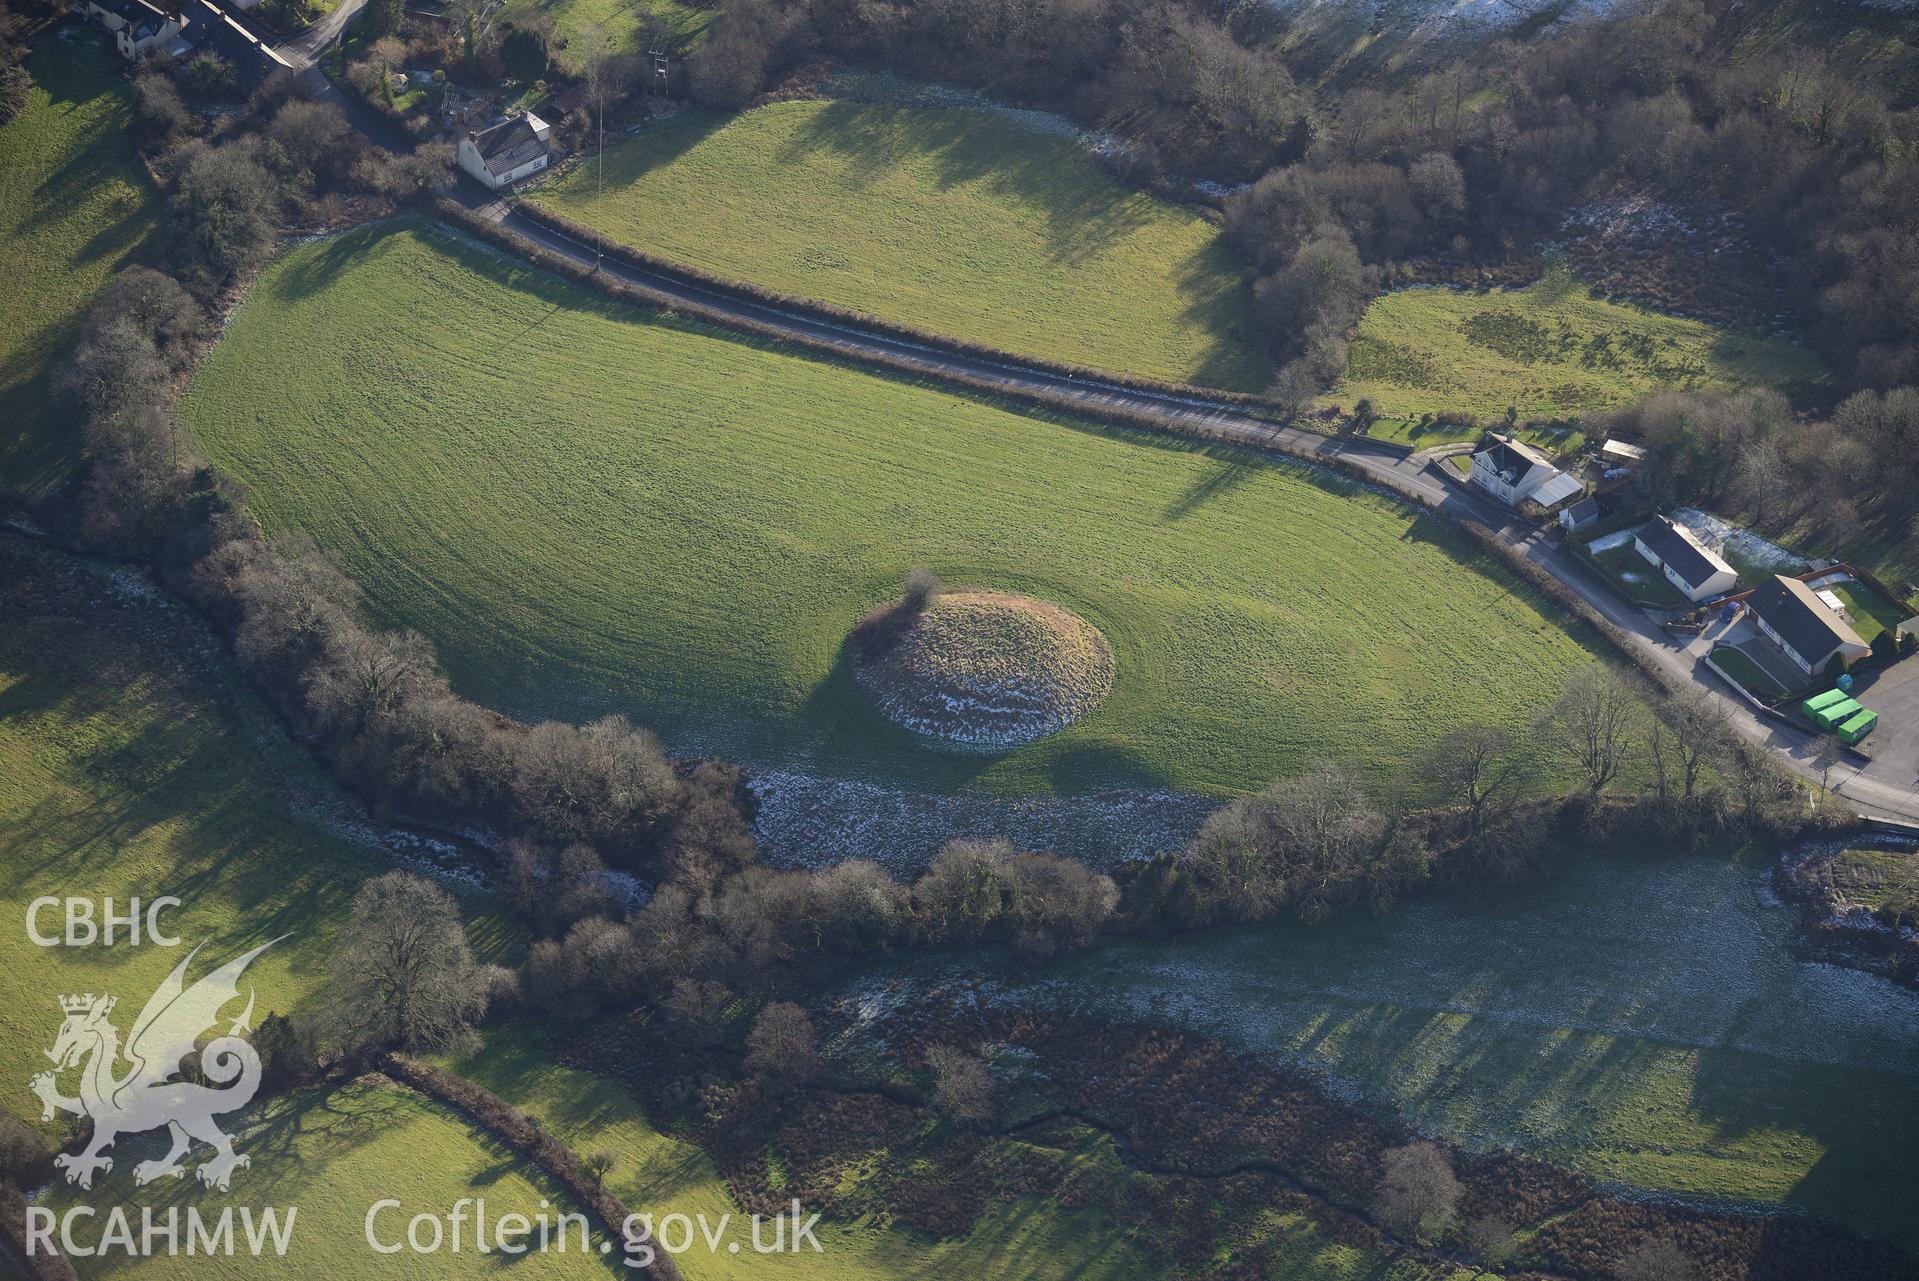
1676,548
1516,473
505,147
1805,627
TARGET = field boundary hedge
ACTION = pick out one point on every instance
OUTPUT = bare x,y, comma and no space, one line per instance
41,1265
814,309
530,1139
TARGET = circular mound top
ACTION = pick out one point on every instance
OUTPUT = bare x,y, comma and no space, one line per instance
984,669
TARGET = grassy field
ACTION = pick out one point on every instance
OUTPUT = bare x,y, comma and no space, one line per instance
964,222
1638,1017
132,763
332,1151
589,511
1550,350
74,209
663,1176
583,27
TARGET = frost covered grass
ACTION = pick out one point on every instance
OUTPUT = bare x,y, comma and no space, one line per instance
1635,1016
970,222
589,511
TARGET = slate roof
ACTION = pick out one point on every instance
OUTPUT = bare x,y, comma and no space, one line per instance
1511,459
1584,510
1790,608
508,145
1675,546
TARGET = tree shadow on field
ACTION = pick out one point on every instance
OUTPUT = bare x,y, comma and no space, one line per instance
1863,1133
1226,476
303,275
968,145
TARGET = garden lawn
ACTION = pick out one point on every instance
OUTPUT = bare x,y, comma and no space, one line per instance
965,222
1639,581
1748,673
1637,1016
1549,350
75,208
132,762
591,511
1870,612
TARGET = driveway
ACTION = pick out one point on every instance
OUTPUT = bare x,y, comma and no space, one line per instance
1894,742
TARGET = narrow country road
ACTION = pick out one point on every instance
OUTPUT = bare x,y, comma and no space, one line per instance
1424,477
304,49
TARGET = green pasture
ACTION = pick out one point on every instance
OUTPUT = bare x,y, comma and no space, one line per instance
590,511
333,1151
1021,1236
1550,350
959,221
1636,1016
131,764
74,209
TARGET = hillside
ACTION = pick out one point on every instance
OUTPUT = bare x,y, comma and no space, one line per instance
984,225
684,527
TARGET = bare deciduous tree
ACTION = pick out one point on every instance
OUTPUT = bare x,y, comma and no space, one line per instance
782,1048
1474,768
1419,1193
1593,719
403,974
962,1084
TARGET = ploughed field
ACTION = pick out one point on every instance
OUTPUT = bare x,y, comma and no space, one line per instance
588,510
967,222
1636,1016
74,210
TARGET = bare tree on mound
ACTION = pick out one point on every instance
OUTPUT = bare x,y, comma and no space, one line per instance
882,627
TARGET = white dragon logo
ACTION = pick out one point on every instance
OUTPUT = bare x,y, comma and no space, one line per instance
146,1097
